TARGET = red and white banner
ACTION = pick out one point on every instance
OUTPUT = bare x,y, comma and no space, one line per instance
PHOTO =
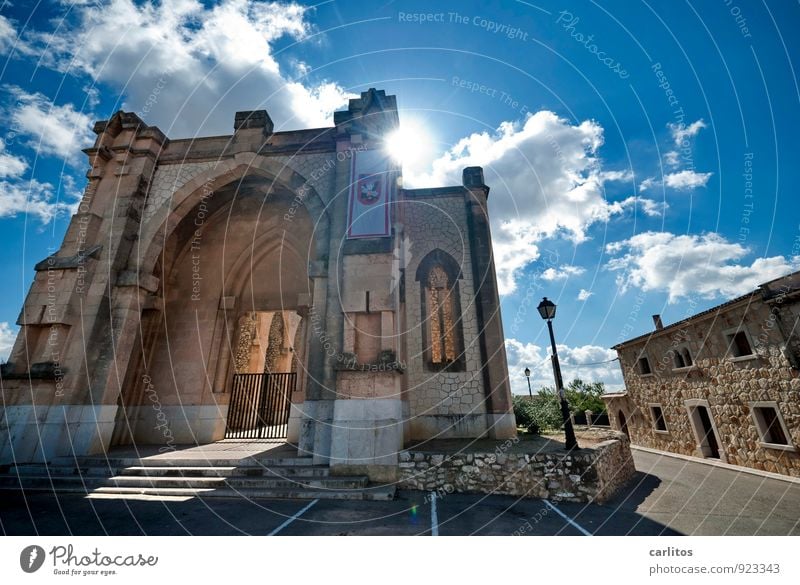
373,177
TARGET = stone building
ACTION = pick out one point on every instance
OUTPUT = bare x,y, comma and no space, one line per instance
261,284
722,384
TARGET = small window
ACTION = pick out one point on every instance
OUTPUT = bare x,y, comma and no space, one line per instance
643,366
739,344
657,413
681,358
770,425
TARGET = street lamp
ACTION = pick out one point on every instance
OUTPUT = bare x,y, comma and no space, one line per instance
547,309
528,376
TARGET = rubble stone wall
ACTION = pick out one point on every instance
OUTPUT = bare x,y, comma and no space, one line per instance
592,474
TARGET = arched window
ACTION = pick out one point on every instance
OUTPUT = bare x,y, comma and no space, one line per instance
438,275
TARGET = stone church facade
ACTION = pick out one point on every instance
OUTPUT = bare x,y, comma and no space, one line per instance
294,257
722,384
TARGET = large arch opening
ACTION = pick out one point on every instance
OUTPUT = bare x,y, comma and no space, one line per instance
232,262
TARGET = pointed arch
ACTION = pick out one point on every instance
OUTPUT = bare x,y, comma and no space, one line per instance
156,232
440,301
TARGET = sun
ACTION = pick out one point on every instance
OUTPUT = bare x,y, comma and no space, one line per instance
411,145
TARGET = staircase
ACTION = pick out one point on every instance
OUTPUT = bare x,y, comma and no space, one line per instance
250,477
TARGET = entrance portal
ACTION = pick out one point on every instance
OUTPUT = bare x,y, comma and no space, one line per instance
623,424
259,406
706,434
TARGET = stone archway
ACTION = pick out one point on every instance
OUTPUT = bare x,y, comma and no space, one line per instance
240,258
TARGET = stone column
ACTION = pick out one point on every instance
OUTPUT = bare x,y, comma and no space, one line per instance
500,413
87,303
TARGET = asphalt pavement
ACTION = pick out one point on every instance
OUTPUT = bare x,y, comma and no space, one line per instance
668,496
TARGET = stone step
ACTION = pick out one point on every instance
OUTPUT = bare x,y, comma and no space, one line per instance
123,462
247,471
56,482
379,492
164,470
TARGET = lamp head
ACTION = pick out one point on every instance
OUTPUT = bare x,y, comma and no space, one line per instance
547,309
527,372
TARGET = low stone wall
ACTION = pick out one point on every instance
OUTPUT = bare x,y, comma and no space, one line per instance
591,474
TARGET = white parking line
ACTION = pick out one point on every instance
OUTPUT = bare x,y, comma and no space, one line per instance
293,518
568,519
434,517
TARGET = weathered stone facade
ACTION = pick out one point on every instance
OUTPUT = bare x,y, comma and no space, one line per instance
182,254
592,474
734,391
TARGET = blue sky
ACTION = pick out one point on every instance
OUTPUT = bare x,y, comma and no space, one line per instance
642,156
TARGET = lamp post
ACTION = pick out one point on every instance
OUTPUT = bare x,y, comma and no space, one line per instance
528,376
547,309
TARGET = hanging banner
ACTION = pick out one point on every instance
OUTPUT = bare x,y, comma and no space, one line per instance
373,178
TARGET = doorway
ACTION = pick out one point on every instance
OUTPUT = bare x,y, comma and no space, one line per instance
623,424
704,429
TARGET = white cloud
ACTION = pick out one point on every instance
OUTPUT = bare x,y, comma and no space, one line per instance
652,208
8,35
54,130
10,42
562,272
683,265
685,180
11,165
546,178
521,355
649,207
207,62
681,133
671,158
40,200
584,294
680,180
7,338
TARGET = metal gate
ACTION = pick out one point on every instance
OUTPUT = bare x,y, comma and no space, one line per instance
259,406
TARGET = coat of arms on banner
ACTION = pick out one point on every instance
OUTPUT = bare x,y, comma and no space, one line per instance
369,189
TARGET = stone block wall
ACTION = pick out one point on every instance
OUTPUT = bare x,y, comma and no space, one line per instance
592,474
443,404
728,384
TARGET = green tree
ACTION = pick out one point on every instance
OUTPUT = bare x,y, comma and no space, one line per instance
543,412
581,396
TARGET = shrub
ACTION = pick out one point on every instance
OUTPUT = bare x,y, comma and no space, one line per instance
541,413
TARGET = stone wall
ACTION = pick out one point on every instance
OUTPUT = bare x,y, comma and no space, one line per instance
591,474
727,385
443,404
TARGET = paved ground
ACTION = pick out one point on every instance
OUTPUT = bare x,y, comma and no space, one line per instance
668,497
